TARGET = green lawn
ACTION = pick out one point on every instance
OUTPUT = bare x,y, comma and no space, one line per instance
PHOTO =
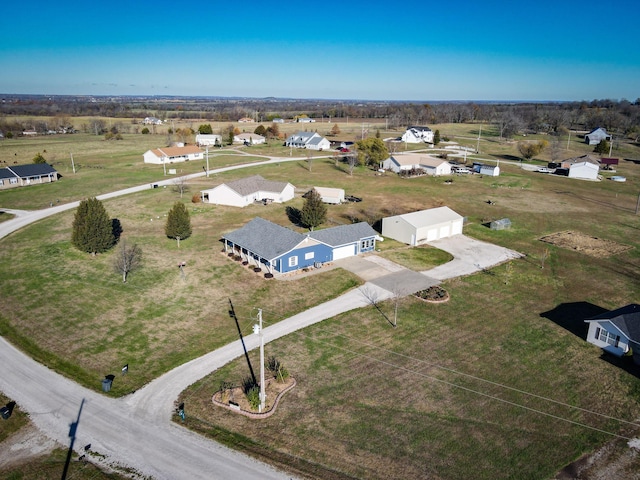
380,409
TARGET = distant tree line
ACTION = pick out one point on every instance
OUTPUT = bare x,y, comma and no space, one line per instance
620,117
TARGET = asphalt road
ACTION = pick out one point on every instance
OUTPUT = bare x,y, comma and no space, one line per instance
136,432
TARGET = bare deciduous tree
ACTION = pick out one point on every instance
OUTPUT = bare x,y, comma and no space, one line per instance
180,185
127,259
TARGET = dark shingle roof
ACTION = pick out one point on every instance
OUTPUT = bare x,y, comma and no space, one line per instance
344,234
627,319
32,169
255,183
264,238
269,240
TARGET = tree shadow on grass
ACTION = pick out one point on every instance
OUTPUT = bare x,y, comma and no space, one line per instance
295,216
572,316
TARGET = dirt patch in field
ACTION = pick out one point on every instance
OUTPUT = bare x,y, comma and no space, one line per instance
592,246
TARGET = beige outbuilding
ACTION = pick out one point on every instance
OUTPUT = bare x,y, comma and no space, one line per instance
423,226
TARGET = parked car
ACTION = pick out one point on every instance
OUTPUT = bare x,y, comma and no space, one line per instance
345,150
545,170
460,170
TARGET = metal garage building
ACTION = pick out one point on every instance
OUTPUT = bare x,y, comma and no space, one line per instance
423,226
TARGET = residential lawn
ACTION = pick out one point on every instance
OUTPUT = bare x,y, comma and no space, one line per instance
371,401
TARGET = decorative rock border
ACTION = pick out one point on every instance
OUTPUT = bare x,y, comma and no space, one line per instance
236,408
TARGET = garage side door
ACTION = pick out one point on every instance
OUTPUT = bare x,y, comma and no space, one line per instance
344,252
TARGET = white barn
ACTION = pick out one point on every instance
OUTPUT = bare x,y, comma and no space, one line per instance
250,138
173,154
246,191
584,170
331,195
204,139
424,226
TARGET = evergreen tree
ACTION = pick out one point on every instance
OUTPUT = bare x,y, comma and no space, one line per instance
602,148
436,137
314,212
205,129
39,158
92,230
178,222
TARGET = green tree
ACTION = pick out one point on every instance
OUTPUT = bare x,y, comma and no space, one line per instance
372,151
92,229
39,158
205,129
602,148
178,224
528,150
260,130
436,137
314,212
145,131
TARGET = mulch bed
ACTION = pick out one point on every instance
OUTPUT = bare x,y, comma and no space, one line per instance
592,246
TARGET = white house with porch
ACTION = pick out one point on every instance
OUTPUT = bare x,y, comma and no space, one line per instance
418,134
308,140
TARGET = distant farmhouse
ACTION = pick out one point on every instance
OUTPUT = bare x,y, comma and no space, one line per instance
152,121
308,140
281,250
596,136
245,191
418,135
406,162
173,154
246,120
24,175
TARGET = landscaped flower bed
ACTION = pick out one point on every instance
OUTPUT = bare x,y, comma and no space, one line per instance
435,294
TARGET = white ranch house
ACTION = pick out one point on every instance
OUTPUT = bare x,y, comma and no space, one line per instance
246,191
417,134
408,161
308,140
423,226
173,154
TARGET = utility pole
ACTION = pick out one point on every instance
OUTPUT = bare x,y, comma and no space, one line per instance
258,329
478,144
73,165
207,150
610,146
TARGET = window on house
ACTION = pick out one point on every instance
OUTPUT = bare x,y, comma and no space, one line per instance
366,244
293,261
309,255
608,337
13,180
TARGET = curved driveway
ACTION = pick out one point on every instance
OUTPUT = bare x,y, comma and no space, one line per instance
136,431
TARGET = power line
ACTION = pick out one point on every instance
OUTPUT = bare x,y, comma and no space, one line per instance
477,392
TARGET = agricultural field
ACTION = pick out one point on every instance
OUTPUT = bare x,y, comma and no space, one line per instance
498,380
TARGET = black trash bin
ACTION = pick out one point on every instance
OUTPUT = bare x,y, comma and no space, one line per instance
5,412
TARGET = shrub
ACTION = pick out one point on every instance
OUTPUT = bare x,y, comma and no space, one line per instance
196,198
253,396
145,131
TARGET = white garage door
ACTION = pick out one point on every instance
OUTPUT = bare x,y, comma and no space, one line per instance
344,252
456,228
444,231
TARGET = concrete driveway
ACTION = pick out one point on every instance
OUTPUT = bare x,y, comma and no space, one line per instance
469,256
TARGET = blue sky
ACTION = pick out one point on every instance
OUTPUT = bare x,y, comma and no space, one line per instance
490,50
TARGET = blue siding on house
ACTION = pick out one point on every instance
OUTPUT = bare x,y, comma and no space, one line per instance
321,253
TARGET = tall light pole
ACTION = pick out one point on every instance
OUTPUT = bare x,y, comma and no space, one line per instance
258,329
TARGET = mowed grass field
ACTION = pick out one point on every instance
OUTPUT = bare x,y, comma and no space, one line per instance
371,401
